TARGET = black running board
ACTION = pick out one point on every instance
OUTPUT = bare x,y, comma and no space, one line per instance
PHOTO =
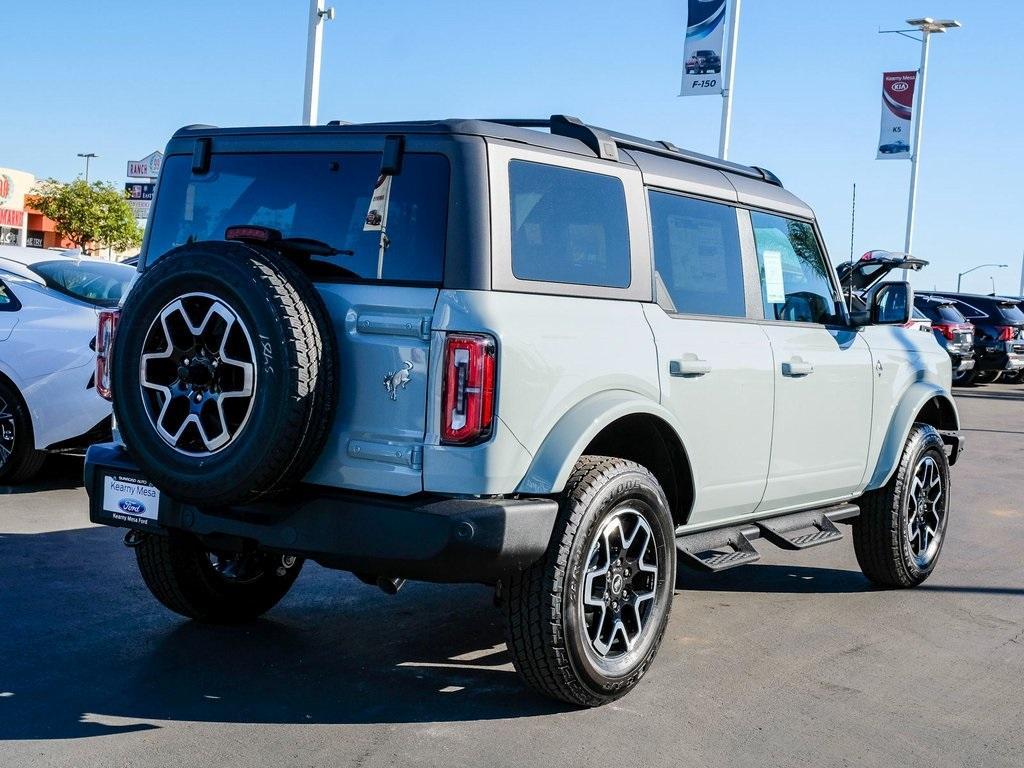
725,548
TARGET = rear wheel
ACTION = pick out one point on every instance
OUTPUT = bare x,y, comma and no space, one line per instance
902,526
1011,377
964,378
584,623
212,586
19,459
986,377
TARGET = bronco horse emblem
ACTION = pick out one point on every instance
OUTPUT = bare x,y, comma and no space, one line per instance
394,380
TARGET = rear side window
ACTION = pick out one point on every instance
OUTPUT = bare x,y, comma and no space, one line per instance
8,301
794,276
942,313
96,282
323,196
568,226
697,255
1011,314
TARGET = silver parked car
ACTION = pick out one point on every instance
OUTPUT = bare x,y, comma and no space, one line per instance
562,359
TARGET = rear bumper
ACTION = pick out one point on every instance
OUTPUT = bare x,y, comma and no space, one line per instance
430,538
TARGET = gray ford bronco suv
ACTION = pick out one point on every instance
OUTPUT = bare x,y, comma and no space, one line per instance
532,354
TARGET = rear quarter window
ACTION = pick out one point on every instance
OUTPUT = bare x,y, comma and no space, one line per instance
568,226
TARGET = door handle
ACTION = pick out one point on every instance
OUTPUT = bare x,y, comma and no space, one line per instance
797,366
689,365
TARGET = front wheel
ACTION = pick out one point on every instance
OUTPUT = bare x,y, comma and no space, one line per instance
213,586
987,377
585,622
902,525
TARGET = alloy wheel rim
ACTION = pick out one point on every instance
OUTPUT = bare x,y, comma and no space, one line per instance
926,511
197,374
7,430
616,605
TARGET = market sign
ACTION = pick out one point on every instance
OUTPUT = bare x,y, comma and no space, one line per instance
139,190
146,168
11,218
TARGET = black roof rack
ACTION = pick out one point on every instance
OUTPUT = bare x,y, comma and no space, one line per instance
605,144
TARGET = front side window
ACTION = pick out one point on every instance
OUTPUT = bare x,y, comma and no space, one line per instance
322,196
697,255
568,226
96,282
794,276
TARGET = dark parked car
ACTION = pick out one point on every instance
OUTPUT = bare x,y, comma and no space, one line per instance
998,334
953,333
703,61
894,147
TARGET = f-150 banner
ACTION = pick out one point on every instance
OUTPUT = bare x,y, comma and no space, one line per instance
897,110
702,63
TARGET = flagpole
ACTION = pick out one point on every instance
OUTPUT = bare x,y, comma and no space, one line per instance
730,74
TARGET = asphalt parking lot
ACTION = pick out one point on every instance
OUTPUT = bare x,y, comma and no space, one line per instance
794,661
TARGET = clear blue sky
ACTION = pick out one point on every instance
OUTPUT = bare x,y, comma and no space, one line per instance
118,77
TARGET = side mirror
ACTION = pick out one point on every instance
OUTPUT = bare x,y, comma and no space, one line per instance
891,304
887,304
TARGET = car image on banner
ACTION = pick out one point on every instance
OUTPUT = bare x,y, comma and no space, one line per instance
702,53
897,111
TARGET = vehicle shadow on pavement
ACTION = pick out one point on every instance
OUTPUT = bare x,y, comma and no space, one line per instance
790,579
87,651
58,473
982,394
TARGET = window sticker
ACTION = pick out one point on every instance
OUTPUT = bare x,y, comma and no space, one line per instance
774,285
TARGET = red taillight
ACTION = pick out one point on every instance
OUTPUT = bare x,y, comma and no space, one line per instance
1007,332
105,330
467,395
949,331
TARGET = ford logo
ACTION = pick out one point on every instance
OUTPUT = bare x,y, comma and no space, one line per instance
132,507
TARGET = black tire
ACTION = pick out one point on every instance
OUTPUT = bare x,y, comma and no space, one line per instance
881,538
986,377
546,628
180,573
964,379
1011,377
19,459
292,343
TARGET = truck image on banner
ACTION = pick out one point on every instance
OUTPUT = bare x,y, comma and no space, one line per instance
702,64
897,111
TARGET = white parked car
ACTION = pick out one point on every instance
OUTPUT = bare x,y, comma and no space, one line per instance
48,400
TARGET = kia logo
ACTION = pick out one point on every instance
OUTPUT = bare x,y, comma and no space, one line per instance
900,86
132,507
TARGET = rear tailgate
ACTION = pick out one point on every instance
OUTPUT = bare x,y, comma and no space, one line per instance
383,334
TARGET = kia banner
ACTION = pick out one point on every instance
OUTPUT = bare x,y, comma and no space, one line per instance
897,110
702,63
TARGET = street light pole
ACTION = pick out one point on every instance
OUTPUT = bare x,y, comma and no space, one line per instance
730,76
318,14
960,275
927,27
918,130
88,156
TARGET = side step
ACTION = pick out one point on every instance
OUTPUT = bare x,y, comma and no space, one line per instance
724,548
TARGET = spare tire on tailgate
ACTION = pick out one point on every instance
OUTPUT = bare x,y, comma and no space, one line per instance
223,373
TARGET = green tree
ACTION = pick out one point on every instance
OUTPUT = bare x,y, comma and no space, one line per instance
89,215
